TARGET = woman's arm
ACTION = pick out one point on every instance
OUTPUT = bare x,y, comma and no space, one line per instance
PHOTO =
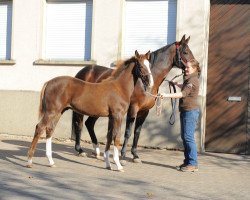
171,95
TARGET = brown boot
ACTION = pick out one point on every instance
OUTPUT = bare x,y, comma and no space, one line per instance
189,168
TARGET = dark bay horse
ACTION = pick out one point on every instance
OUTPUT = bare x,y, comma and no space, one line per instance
162,61
110,98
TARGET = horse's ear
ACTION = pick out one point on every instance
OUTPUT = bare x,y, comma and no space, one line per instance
187,40
147,55
183,39
136,54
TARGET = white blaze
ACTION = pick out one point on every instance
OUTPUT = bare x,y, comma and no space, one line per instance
151,80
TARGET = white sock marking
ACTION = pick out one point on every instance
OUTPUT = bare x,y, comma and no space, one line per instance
30,162
106,157
97,149
49,151
116,158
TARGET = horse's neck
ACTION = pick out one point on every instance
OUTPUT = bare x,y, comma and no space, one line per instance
162,67
126,79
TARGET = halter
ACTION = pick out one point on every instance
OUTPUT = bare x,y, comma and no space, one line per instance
140,75
178,55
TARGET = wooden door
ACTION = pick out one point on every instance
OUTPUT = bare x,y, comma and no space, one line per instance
228,77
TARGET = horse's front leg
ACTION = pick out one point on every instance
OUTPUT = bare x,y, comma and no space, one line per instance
90,123
129,125
138,126
132,112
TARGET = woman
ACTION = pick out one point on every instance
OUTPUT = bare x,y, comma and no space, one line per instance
189,113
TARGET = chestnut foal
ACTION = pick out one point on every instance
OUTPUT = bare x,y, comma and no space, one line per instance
109,98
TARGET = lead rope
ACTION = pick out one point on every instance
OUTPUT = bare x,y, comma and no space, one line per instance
159,100
158,104
173,100
173,104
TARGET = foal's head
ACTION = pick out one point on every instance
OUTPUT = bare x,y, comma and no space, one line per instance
143,69
183,52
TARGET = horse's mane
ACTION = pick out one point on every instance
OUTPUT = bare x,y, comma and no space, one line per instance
120,66
155,53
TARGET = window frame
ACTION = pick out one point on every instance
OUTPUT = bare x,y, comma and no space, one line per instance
10,60
61,62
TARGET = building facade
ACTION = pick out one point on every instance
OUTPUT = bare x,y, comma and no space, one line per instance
42,39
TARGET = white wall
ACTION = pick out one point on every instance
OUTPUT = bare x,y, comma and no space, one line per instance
192,19
27,39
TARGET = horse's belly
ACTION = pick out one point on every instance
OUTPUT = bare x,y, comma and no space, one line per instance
91,108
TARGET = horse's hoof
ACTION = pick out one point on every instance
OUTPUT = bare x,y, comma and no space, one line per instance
52,166
109,168
123,162
121,170
137,160
29,166
83,154
98,157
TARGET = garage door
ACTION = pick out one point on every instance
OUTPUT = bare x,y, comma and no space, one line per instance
227,128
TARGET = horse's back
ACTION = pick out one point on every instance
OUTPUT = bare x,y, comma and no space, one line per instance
93,73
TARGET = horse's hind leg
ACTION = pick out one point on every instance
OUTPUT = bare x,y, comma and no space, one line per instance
49,131
77,124
90,123
40,128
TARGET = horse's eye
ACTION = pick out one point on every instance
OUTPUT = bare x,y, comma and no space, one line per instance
185,52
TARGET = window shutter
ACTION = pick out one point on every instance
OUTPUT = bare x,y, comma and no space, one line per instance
68,30
149,25
5,29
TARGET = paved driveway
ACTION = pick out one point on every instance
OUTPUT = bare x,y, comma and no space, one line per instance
220,176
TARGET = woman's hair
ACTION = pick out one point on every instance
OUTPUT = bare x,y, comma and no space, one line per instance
195,64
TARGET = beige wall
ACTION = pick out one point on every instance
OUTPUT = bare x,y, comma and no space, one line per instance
193,20
27,44
106,35
20,84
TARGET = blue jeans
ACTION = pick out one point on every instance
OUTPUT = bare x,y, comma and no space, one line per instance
189,121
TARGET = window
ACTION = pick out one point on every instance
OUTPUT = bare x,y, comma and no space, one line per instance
5,29
68,30
149,25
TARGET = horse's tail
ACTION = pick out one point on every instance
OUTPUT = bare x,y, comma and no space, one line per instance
42,105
